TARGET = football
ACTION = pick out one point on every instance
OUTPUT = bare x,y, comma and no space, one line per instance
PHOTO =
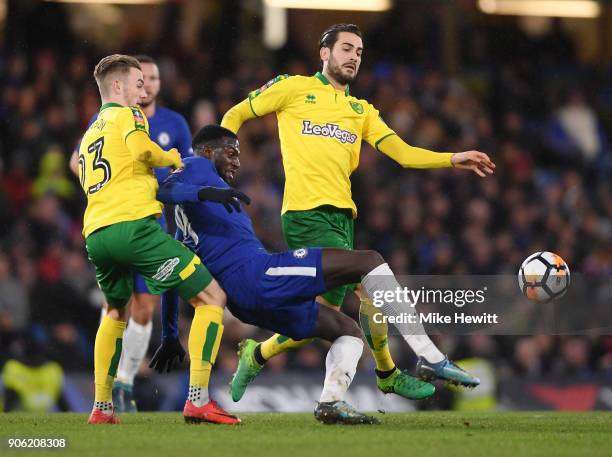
544,276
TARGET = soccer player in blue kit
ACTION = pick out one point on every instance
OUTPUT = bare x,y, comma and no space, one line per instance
274,291
170,131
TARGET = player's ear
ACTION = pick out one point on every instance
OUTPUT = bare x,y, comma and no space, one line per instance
324,54
115,86
207,152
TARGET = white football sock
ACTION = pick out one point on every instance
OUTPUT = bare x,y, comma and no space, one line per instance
105,406
135,344
198,395
382,278
340,366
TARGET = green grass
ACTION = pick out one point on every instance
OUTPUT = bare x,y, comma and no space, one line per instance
435,434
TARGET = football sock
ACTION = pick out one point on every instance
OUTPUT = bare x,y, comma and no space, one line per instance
257,355
385,374
204,340
279,343
135,344
105,406
107,351
340,366
198,395
376,335
382,278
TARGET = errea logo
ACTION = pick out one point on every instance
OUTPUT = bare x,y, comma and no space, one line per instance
328,130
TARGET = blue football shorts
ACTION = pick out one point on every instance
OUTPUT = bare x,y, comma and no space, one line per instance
278,291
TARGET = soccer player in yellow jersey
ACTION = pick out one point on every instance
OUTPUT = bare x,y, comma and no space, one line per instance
321,127
116,157
168,129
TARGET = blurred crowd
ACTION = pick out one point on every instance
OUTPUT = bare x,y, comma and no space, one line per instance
544,118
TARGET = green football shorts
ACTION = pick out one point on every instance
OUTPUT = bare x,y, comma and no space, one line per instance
325,227
142,246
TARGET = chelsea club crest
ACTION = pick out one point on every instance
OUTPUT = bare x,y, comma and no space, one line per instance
300,253
163,139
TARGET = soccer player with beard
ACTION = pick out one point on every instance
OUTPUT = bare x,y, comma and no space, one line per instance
169,130
321,126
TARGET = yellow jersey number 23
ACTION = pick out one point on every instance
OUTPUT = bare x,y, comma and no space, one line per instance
98,164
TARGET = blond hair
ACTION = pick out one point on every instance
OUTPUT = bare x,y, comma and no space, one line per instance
111,65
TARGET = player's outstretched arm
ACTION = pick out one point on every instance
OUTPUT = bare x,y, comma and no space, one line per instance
145,150
174,191
413,157
269,98
230,198
476,161
237,115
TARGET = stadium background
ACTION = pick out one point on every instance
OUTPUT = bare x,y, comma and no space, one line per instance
536,94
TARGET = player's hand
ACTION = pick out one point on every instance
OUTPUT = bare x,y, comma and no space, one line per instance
230,198
169,355
177,161
476,161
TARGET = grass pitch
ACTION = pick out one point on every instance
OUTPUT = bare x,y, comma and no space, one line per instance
435,434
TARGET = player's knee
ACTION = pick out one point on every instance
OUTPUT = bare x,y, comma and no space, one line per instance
348,327
117,314
143,306
372,259
213,294
216,293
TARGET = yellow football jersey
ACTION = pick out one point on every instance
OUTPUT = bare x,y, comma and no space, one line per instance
118,187
320,129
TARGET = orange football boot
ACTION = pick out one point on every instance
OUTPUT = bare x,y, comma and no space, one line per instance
98,417
210,412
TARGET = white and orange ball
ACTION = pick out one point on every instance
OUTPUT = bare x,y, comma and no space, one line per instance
544,276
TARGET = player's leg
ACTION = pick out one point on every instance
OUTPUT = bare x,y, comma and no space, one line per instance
166,264
107,351
335,228
287,284
252,356
136,340
135,344
204,340
320,227
340,367
116,284
341,266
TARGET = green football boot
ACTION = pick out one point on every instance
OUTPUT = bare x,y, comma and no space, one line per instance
406,386
340,412
247,370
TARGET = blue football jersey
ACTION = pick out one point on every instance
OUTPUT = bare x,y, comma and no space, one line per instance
222,240
273,291
169,130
